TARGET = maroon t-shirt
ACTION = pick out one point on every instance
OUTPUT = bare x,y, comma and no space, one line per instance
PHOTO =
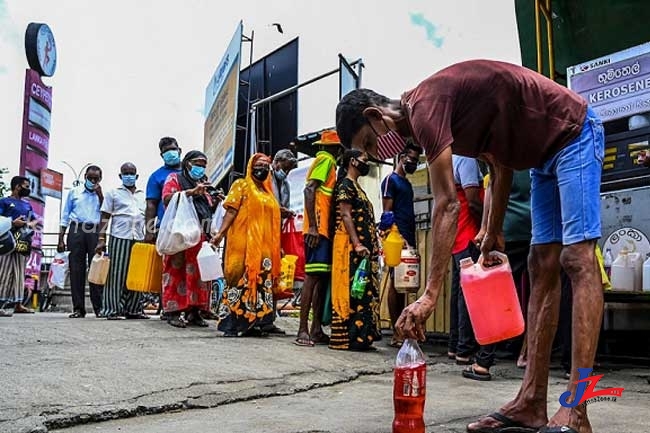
517,116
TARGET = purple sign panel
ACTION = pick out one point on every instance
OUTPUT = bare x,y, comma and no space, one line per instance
37,107
38,139
616,86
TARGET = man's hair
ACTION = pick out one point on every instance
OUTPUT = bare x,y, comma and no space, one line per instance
17,180
94,168
167,141
410,146
284,155
349,112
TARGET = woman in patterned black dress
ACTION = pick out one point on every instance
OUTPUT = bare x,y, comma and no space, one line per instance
354,321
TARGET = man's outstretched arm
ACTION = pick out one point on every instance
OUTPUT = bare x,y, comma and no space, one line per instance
444,221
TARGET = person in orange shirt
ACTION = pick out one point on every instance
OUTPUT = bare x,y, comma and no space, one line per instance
321,180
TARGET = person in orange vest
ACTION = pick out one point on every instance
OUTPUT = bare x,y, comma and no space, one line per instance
321,179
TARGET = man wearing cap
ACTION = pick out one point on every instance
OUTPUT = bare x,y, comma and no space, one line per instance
321,179
514,119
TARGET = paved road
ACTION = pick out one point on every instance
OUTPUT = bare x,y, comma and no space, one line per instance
144,376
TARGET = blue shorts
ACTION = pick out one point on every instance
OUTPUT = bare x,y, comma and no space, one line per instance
319,260
565,190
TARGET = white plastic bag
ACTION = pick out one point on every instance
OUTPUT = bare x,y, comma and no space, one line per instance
217,219
59,271
180,228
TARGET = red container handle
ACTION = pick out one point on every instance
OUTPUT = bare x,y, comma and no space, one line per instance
502,257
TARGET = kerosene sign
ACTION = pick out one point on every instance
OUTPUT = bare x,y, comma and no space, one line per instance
617,85
40,49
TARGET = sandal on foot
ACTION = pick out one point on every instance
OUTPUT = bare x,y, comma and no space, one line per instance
508,425
255,332
559,429
464,361
305,342
176,322
451,355
396,343
471,373
196,320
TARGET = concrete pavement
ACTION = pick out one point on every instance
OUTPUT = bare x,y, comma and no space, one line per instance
145,376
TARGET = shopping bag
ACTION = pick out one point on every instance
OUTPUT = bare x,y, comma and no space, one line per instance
180,228
217,219
284,289
607,285
327,310
23,237
292,243
58,271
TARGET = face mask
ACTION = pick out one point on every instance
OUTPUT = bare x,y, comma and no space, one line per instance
90,185
24,192
172,158
410,167
389,144
280,175
197,172
363,168
129,179
260,174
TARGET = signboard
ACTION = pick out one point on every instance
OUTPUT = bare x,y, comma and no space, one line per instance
617,85
220,110
51,183
40,49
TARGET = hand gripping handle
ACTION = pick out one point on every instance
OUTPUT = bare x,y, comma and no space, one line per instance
501,256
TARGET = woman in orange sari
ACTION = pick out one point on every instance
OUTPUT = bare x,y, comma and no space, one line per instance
251,226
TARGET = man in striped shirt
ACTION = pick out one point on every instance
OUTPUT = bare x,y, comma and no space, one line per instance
125,206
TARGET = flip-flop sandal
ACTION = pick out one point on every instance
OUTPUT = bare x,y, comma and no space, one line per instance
508,425
395,343
464,361
471,373
303,342
559,429
451,355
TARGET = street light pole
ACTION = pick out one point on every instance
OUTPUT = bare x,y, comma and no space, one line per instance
76,173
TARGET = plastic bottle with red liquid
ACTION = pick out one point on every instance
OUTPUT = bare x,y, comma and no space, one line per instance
409,389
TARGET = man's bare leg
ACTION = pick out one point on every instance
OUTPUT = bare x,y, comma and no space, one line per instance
318,303
306,296
395,305
529,406
579,262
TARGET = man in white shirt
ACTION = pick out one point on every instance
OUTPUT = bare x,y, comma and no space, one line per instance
126,207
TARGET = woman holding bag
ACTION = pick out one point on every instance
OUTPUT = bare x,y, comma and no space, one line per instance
183,290
252,253
354,320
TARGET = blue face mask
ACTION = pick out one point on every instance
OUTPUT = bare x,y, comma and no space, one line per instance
197,172
280,175
90,186
129,179
172,157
